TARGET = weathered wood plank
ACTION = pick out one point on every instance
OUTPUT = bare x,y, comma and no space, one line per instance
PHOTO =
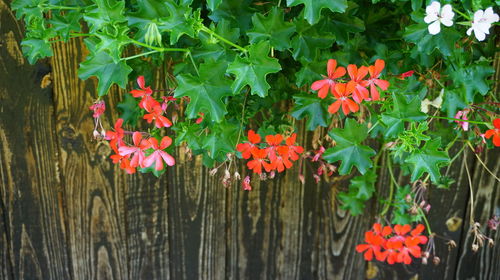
5,262
197,227
30,188
484,263
94,188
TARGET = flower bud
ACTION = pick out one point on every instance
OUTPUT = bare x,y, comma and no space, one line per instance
152,35
96,134
491,243
424,260
408,198
213,172
451,244
475,247
436,260
272,174
302,179
237,175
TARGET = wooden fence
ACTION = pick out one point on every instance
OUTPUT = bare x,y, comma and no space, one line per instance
67,212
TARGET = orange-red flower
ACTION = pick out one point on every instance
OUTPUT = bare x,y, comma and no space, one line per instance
374,80
157,115
329,82
158,156
494,132
247,148
342,93
360,92
137,150
393,245
147,102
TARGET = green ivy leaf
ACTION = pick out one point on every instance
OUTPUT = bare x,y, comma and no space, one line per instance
213,4
349,149
149,11
402,111
106,70
428,159
312,107
206,91
180,21
364,186
27,8
253,70
351,203
64,24
221,140
454,99
312,8
272,28
472,79
107,13
401,216
113,42
238,12
309,40
35,49
426,43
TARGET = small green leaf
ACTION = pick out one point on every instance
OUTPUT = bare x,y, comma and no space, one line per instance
180,21
309,40
64,24
206,91
312,8
428,159
106,70
473,78
272,28
107,13
348,148
253,70
312,107
364,186
351,203
35,49
221,140
130,111
213,4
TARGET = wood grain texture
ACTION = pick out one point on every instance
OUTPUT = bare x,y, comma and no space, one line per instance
94,189
30,186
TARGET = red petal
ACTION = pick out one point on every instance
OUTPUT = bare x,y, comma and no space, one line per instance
330,67
338,73
383,84
496,123
165,142
334,107
323,92
141,82
353,71
253,137
319,84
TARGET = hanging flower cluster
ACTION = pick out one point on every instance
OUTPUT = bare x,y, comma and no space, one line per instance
481,24
357,87
143,152
272,154
393,244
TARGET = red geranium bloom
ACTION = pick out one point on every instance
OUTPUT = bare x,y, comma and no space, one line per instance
411,247
494,132
115,138
247,148
406,74
259,156
373,247
293,150
374,80
342,93
157,115
138,150
329,82
145,92
360,92
273,141
158,156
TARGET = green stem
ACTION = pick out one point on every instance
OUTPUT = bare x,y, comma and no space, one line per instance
138,55
460,120
158,48
207,30
194,64
391,187
55,7
427,225
371,128
462,14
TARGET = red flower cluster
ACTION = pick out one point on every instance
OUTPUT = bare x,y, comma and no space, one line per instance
154,108
394,245
133,156
271,155
494,132
357,87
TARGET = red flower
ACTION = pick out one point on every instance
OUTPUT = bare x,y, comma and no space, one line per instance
98,107
115,138
200,119
246,184
329,82
145,92
247,148
360,92
342,93
157,115
373,247
158,156
138,150
293,150
273,141
494,132
374,80
259,156
406,74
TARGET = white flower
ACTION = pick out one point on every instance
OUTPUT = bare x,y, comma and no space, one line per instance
482,23
435,15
